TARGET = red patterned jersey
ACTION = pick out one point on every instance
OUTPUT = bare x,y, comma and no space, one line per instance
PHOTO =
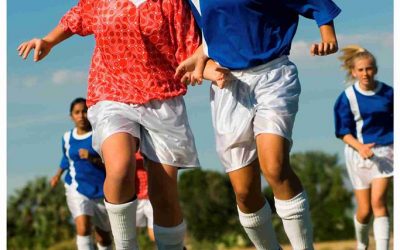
141,178
139,43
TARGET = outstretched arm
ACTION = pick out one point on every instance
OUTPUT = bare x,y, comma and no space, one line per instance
42,46
328,44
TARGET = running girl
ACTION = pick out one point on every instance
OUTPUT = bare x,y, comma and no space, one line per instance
364,121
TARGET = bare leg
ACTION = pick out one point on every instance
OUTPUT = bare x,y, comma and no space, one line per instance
119,188
362,217
169,227
290,201
379,207
83,230
254,212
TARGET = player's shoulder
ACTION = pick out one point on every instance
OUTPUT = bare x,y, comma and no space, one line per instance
67,135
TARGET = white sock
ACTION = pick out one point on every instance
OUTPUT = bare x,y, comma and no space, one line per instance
123,224
296,220
381,232
361,234
258,227
100,247
170,238
84,242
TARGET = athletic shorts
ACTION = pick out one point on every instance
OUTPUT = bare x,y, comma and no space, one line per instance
363,171
162,127
79,204
262,99
144,213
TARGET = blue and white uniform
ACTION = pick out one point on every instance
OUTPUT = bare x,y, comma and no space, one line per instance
248,33
368,116
253,38
83,181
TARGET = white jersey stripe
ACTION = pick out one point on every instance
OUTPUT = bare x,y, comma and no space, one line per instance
351,96
72,172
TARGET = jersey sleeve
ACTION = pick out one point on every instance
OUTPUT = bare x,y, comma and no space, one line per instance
344,118
64,164
196,13
79,18
322,11
186,34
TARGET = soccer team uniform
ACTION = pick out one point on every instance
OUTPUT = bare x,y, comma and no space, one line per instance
144,211
131,86
253,39
368,116
83,180
132,89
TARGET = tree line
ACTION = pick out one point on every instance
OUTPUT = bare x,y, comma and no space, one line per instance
38,217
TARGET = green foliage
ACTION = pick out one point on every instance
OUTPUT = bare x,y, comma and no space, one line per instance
208,203
330,201
37,216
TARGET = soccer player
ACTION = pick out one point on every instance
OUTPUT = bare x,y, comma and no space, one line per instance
364,121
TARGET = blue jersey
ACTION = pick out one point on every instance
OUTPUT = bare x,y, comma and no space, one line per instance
87,178
239,34
367,115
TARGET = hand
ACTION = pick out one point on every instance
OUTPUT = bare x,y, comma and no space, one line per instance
328,44
194,64
54,181
217,74
323,48
40,46
221,76
365,150
83,153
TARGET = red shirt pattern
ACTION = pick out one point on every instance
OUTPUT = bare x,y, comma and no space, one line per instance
141,178
137,47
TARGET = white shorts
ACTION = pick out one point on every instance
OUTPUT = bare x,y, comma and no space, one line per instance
162,127
79,205
144,213
362,172
263,99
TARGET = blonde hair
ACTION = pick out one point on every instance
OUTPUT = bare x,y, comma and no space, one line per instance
349,54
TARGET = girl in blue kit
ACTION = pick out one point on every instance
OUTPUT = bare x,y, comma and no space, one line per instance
364,121
254,105
84,181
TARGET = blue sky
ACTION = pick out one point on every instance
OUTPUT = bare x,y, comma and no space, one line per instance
39,93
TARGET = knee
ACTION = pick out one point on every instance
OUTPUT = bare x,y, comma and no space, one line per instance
378,205
364,213
243,196
121,171
275,172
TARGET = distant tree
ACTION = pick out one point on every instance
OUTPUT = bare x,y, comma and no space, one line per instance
330,200
208,203
37,216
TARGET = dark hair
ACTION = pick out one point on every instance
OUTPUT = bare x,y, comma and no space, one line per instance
76,101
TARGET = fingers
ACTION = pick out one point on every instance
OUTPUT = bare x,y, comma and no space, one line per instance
28,48
323,48
197,76
180,70
25,48
186,78
38,48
